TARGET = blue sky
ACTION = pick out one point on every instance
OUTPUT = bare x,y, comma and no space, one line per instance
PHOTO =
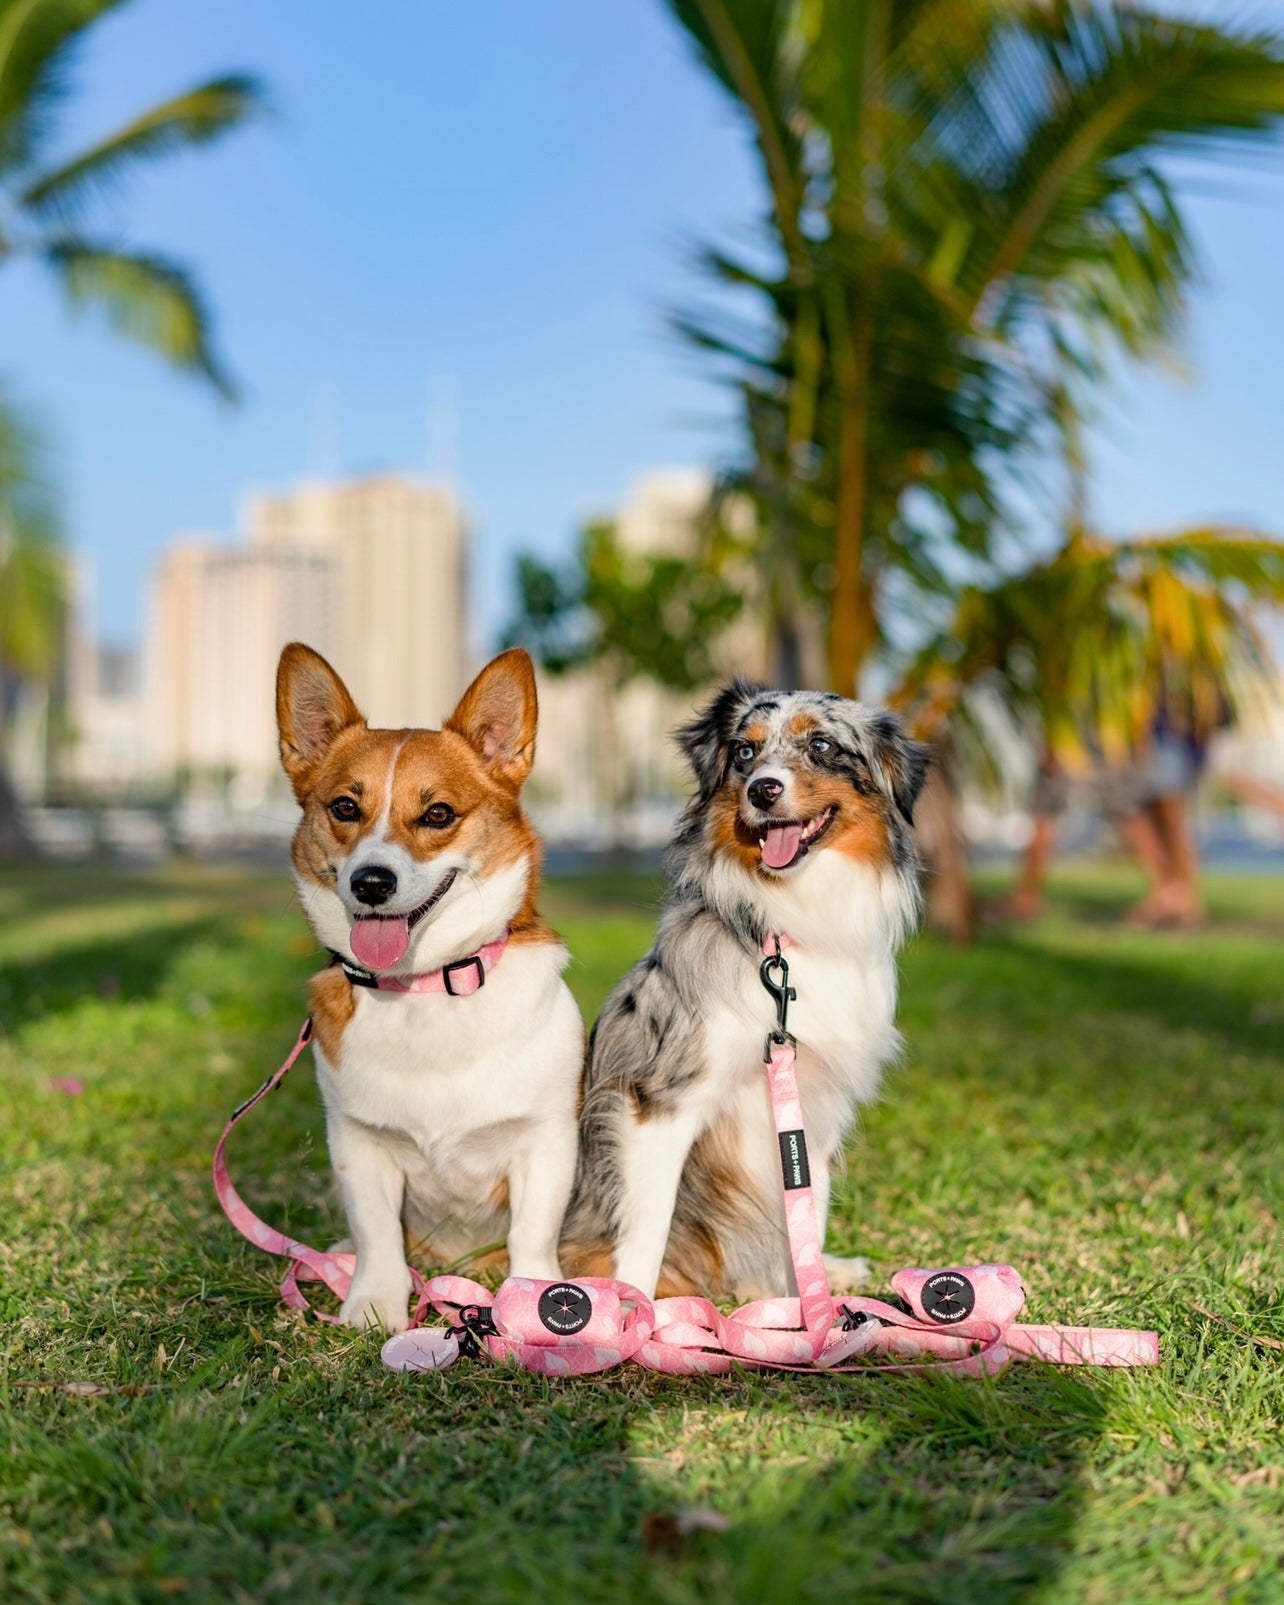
451,251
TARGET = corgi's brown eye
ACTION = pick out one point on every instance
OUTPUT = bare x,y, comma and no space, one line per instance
344,810
438,816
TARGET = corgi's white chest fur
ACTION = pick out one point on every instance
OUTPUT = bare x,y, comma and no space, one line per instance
427,1064
458,1084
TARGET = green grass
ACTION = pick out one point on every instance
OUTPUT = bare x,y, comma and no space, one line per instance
1098,1107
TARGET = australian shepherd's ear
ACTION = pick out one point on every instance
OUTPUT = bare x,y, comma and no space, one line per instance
899,764
704,741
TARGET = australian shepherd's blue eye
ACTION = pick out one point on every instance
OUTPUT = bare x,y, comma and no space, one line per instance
745,752
344,810
438,816
820,746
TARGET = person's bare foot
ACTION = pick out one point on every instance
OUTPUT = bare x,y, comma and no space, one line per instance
1172,907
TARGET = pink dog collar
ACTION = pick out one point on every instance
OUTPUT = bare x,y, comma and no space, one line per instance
460,979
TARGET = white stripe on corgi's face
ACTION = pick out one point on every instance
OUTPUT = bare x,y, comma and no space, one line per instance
413,845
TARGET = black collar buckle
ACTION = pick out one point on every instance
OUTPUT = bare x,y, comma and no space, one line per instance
354,972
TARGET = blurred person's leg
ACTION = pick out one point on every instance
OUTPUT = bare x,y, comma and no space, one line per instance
1162,838
1026,900
1182,904
1048,803
1140,832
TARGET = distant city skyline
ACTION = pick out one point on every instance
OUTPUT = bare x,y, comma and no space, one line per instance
451,253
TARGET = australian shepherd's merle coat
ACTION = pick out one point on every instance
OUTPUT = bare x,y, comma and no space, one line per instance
800,825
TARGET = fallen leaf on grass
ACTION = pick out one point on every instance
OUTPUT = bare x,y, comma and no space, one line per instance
1251,1337
668,1532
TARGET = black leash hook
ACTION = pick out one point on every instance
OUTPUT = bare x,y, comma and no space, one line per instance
773,972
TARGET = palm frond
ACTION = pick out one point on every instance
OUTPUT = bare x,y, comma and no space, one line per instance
38,39
146,298
195,118
1097,643
744,44
33,575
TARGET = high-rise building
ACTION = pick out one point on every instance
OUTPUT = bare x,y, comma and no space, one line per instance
369,573
219,618
396,549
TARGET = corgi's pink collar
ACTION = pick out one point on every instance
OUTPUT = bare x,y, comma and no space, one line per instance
460,979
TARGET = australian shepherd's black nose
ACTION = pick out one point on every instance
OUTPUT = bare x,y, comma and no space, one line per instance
799,826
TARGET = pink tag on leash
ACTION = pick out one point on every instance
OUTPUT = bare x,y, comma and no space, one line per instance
427,1348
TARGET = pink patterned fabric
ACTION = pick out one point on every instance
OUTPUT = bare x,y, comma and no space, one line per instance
961,1320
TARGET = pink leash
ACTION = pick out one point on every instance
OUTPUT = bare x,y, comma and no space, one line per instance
959,1320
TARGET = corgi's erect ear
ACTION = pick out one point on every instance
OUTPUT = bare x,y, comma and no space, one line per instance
312,707
497,714
900,765
704,740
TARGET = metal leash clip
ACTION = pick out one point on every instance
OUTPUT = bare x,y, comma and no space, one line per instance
773,972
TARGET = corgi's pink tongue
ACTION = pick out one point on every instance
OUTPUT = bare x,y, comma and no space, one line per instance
378,943
781,846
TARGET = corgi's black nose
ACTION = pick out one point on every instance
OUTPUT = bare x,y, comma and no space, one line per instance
373,885
765,791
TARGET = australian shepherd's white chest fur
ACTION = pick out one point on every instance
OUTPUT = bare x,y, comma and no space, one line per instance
450,1115
800,827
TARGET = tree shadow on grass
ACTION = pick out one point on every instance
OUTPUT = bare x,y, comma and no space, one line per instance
489,1484
1125,984
958,1491
129,967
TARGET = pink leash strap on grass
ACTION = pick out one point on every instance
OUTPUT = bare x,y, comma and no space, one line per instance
961,1320
552,1328
306,1264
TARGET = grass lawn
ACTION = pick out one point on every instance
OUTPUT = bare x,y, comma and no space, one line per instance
1100,1108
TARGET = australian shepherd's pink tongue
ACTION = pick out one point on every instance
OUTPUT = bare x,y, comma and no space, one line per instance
378,943
781,846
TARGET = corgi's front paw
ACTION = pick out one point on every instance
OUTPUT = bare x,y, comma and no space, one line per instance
382,1307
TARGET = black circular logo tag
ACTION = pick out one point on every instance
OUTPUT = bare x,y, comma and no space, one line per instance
948,1297
565,1308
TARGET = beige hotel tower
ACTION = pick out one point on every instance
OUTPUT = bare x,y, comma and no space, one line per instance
370,572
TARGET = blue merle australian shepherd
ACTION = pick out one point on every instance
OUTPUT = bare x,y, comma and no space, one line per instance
800,825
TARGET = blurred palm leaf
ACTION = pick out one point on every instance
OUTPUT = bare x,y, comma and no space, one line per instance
32,565
145,298
1087,650
43,205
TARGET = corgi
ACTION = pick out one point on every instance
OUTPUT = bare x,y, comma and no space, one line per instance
448,1048
799,828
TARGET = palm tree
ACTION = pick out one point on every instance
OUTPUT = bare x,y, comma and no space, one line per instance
32,590
1088,648
45,209
1085,652
969,211
45,214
